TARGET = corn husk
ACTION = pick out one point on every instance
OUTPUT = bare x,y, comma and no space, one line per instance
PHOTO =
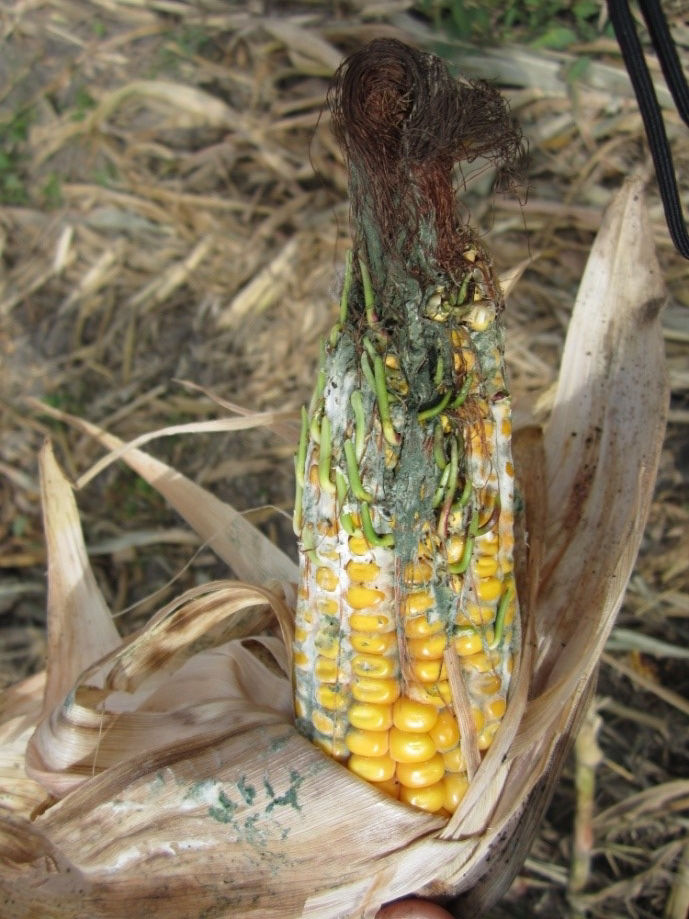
161,775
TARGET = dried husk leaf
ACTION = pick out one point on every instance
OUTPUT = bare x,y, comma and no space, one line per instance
241,820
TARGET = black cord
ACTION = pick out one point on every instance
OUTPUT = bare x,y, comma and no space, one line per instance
632,52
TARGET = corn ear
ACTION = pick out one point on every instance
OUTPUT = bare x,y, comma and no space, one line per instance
407,617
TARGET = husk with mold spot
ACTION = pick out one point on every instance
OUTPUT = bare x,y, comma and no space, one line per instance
162,775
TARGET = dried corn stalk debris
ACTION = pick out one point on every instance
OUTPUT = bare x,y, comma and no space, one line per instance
164,775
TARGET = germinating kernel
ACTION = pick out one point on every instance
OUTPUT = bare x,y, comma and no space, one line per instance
445,731
368,716
420,627
364,572
379,692
360,597
454,787
409,715
367,743
372,768
326,578
373,642
408,747
374,665
430,648
419,775
430,798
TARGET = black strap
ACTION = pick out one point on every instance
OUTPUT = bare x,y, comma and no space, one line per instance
623,24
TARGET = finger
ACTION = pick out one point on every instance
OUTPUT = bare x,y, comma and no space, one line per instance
412,908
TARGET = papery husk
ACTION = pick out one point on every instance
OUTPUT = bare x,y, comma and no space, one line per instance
210,803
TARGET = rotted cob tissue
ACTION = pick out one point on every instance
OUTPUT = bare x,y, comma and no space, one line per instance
407,621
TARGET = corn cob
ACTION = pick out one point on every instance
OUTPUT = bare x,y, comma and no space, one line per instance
406,620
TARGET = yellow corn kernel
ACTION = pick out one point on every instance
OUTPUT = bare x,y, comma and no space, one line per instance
485,738
372,768
420,627
485,566
328,606
468,643
362,622
409,715
408,747
488,543
420,775
390,787
373,642
326,578
418,602
488,684
359,545
300,634
444,688
392,361
418,573
445,731
374,665
479,719
509,469
334,748
455,787
300,708
330,699
430,798
301,659
482,662
379,692
454,761
367,716
364,597
313,471
367,743
509,614
488,589
327,645
506,427
455,549
476,615
430,648
363,572
428,671
326,670
496,708
323,723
